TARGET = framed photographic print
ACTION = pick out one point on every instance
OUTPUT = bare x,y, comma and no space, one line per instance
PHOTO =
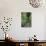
26,19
